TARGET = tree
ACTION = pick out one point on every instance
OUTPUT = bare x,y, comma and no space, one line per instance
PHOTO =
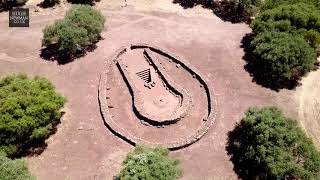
9,4
268,145
146,163
300,18
281,58
246,8
89,2
270,4
14,169
80,28
50,3
29,112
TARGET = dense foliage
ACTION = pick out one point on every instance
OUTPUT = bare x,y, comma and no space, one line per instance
149,164
245,8
90,2
14,169
270,4
298,18
268,145
9,4
50,3
81,27
281,57
29,109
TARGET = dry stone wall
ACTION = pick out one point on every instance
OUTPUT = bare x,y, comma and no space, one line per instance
207,121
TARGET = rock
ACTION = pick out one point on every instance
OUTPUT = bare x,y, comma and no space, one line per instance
178,65
109,106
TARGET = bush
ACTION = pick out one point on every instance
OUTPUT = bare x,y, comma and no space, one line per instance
81,27
246,8
14,169
30,108
9,4
298,18
267,145
270,4
50,3
149,164
89,2
281,58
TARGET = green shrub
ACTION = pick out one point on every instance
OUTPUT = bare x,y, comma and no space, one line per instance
298,18
29,108
282,57
268,145
270,4
149,164
14,169
86,17
245,8
81,27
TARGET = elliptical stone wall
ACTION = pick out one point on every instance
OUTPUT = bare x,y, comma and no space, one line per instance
207,122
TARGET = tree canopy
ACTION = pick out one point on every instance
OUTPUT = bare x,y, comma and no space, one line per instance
146,163
282,58
80,28
29,110
268,145
301,19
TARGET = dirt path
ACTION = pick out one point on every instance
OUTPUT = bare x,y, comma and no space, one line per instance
308,99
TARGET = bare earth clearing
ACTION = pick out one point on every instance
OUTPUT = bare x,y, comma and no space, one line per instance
83,148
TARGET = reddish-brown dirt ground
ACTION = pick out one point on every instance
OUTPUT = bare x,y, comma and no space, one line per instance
83,148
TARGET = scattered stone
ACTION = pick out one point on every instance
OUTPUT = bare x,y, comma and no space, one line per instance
36,9
107,97
178,65
108,88
205,119
110,106
194,76
201,85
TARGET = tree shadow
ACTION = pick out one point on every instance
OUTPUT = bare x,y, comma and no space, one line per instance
238,145
52,53
225,10
259,73
6,6
36,147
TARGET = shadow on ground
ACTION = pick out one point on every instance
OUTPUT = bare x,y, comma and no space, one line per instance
52,53
259,74
225,10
